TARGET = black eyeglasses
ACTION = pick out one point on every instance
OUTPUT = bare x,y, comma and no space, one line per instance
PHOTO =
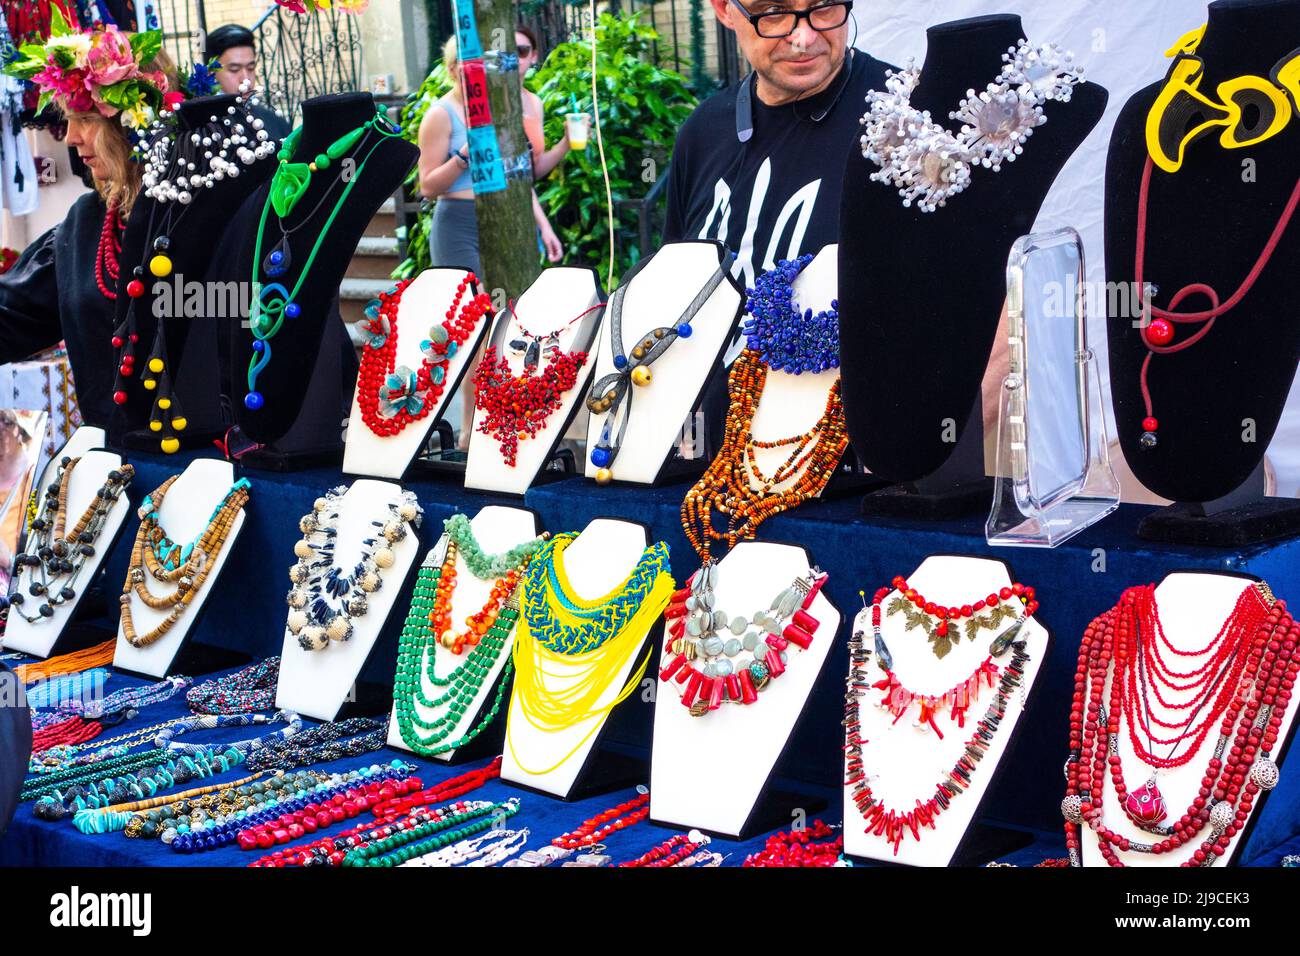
525,49
775,24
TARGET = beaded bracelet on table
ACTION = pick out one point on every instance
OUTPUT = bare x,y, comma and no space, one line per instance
249,689
322,744
212,835
214,721
400,847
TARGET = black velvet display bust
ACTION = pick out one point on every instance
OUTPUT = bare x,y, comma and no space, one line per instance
1218,402
921,293
317,333
193,239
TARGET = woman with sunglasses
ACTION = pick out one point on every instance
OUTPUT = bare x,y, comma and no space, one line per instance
544,160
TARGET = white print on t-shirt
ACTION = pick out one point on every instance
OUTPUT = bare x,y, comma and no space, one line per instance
798,207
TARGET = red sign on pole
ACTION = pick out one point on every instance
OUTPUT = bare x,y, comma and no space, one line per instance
477,110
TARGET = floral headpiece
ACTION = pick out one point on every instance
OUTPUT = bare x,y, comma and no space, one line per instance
99,72
313,6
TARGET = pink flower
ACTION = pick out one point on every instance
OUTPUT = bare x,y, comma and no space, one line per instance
110,59
293,6
173,100
68,87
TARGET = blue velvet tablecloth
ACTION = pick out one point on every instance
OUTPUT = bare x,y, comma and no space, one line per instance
1075,582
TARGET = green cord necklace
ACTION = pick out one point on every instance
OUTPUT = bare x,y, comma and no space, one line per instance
273,302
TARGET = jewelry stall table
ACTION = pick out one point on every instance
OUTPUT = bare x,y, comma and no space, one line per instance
1076,582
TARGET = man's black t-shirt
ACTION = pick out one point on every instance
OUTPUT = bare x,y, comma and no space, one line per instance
776,196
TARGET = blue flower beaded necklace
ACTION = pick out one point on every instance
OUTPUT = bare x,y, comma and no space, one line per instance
787,338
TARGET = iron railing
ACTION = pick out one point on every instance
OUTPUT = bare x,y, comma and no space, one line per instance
303,57
299,57
558,21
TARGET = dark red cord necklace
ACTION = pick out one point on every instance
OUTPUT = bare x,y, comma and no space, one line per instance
1158,332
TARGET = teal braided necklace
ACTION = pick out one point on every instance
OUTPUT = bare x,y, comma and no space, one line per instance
545,586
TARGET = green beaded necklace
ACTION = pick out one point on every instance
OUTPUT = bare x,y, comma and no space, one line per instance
408,844
483,566
416,656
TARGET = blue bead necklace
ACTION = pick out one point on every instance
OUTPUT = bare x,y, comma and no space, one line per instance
787,338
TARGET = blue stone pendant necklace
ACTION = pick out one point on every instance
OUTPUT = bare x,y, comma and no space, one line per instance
611,395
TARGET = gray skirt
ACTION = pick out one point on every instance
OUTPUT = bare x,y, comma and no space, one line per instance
453,235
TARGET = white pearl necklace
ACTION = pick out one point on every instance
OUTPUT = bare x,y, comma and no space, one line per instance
925,162
178,163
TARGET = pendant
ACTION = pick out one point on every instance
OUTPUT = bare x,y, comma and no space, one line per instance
279,259
533,355
1145,806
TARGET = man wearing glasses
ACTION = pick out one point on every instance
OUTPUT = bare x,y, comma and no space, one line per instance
758,166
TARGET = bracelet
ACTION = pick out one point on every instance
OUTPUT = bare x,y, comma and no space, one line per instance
331,850
212,834
477,816
119,816
215,721
670,852
324,811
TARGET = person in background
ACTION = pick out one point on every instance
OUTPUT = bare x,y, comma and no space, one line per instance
759,165
445,176
544,160
235,49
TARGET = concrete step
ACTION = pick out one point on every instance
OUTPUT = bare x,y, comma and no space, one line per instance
384,222
376,258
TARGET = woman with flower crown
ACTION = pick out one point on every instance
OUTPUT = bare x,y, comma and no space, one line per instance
111,86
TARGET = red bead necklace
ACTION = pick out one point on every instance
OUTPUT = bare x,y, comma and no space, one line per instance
1142,672
1240,767
518,406
948,614
330,850
439,793
604,824
74,730
394,814
892,824
1157,334
669,853
315,816
385,407
107,256
796,849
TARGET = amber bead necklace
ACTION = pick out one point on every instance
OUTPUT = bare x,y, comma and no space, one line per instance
729,483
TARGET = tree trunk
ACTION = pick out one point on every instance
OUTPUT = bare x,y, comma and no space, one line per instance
507,235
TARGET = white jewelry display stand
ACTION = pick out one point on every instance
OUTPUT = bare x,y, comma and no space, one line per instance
905,763
88,477
549,304
185,512
1192,607
318,683
423,306
793,404
496,529
595,562
709,772
655,298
